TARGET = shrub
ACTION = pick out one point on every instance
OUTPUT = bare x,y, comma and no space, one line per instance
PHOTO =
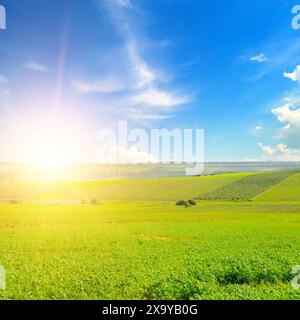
192,202
182,203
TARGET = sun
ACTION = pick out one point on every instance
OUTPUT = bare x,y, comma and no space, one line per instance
50,149
52,158
50,154
50,143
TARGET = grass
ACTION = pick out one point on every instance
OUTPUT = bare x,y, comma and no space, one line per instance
288,190
150,250
165,189
249,186
134,243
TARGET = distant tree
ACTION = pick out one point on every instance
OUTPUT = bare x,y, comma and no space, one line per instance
182,203
192,202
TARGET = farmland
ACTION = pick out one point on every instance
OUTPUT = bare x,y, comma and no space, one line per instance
249,186
169,189
136,244
288,190
150,251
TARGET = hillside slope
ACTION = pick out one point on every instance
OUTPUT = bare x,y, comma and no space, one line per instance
288,190
249,186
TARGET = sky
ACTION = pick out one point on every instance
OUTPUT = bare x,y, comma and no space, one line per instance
231,68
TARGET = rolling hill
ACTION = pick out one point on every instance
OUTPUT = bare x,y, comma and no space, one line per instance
169,189
288,190
250,186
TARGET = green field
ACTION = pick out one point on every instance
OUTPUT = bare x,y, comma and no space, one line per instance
250,186
138,245
288,190
169,189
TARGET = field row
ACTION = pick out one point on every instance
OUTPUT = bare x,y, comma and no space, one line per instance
249,186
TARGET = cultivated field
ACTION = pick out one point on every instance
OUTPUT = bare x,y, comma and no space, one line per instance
150,251
288,190
249,186
137,244
169,189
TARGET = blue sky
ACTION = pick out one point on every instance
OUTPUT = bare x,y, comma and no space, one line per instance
229,67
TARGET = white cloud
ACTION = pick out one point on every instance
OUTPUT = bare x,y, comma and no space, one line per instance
145,75
295,75
106,85
139,80
144,116
270,151
288,112
283,51
34,66
280,152
288,115
258,127
158,99
259,58
117,154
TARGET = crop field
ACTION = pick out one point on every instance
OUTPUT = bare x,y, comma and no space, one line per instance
249,186
169,189
288,190
136,244
150,251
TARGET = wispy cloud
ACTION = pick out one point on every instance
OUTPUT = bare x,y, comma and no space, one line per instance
259,127
158,99
106,85
145,75
259,58
282,51
191,63
146,88
145,117
34,66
